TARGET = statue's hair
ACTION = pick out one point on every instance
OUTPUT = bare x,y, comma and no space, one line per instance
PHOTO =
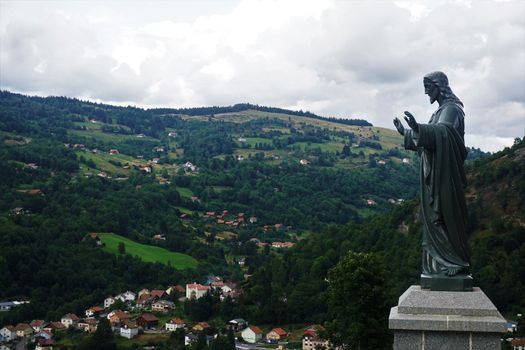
441,81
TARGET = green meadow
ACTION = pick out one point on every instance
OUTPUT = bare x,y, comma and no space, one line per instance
147,253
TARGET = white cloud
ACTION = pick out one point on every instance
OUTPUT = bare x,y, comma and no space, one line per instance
335,58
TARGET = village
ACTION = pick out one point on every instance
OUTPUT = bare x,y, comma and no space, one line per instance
131,314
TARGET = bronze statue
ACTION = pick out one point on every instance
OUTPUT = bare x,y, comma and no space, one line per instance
442,150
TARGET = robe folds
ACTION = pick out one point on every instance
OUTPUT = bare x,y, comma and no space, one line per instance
443,208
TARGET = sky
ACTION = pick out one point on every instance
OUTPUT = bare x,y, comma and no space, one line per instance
335,58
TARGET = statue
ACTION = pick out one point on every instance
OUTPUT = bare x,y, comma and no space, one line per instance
440,144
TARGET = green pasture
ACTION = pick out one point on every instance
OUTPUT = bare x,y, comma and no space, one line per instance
185,192
147,253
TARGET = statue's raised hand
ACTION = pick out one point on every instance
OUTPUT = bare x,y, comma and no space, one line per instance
399,126
411,121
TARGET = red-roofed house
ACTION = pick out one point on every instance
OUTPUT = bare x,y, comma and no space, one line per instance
157,293
54,326
518,344
88,325
69,320
94,311
196,291
38,325
311,340
199,327
174,324
147,321
252,334
23,330
276,334
178,289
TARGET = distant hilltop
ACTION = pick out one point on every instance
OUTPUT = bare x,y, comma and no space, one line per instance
200,111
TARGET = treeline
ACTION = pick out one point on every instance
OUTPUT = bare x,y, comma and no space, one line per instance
210,111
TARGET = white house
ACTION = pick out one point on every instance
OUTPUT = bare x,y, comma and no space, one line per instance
196,291
69,320
129,331
252,334
108,302
8,333
174,324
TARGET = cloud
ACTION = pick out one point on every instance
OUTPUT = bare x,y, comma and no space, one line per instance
335,58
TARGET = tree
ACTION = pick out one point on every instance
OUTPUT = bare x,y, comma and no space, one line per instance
121,248
357,303
103,337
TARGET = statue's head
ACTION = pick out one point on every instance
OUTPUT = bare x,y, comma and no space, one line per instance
436,87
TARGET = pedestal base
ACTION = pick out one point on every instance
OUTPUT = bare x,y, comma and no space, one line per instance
431,320
459,283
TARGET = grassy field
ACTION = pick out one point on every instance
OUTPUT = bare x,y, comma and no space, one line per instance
185,192
147,253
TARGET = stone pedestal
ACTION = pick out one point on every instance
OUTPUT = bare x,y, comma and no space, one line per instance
429,320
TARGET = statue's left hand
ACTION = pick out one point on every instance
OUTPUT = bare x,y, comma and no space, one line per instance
411,121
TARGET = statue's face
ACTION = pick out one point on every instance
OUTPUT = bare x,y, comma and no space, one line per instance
431,90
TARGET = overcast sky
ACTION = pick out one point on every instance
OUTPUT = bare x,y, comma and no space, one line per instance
346,59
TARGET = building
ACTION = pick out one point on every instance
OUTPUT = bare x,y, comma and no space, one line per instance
147,321
252,334
7,305
88,325
162,306
129,330
23,330
196,291
118,317
311,340
8,333
238,324
94,311
199,327
518,344
174,324
69,320
37,325
108,302
276,335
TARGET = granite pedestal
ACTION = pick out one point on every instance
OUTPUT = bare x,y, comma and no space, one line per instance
431,320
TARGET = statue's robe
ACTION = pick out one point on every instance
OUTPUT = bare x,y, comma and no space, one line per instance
443,209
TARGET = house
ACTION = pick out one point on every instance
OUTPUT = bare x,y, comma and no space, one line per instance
157,294
311,340
252,334
23,330
189,166
282,244
117,317
37,325
108,302
129,330
113,151
172,134
88,325
144,300
253,219
199,327
303,162
512,326
176,289
44,344
406,161
7,305
223,287
94,311
69,320
196,291
54,327
276,334
43,335
518,344
162,306
192,338
238,324
147,321
381,162
174,324
8,333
